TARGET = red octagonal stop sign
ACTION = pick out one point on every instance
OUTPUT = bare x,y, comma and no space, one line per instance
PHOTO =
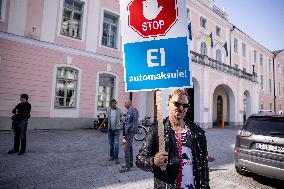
152,18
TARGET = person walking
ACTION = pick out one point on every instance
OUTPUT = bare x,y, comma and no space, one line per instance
19,125
113,115
129,129
186,150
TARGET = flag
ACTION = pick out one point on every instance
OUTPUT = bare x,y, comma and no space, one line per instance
226,48
210,39
189,31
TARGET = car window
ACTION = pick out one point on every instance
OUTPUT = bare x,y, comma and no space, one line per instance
266,126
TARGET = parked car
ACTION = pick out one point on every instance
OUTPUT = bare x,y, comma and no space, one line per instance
259,146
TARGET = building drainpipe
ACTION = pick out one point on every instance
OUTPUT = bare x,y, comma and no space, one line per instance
274,90
231,45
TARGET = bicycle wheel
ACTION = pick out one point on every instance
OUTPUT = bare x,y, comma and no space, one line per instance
141,133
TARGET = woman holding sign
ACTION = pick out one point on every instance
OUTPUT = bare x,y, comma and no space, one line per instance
185,155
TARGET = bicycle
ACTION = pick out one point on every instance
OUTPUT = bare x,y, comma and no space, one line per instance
143,129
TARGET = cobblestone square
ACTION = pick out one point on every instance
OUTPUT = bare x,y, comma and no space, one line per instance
79,159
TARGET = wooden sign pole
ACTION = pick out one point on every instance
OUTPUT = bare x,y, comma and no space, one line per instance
161,131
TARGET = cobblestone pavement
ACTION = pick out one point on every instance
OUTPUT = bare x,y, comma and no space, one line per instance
79,159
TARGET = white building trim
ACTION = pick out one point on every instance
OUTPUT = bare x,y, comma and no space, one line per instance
17,17
60,48
65,112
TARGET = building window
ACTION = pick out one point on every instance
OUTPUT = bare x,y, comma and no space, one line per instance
235,45
261,106
270,85
203,48
203,22
244,49
0,9
279,88
254,56
72,18
218,55
261,81
218,31
110,27
66,87
106,90
188,13
270,106
260,59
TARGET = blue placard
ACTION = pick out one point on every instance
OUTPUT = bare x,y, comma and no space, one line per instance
157,64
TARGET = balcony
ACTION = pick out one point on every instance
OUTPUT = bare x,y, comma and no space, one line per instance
206,61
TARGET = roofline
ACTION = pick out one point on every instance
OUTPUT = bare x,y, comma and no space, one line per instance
252,38
277,52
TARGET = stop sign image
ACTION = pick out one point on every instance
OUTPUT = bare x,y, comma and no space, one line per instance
152,18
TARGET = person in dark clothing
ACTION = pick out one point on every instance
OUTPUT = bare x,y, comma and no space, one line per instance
19,125
130,127
186,150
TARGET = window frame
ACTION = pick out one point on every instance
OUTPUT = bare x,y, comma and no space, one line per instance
235,45
104,11
80,24
220,32
270,85
114,88
254,56
260,59
65,89
219,52
261,81
201,23
3,7
206,48
244,49
188,13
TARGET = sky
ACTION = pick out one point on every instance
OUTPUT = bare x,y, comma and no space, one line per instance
262,20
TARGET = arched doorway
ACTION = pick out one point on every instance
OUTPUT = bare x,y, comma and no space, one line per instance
219,108
223,105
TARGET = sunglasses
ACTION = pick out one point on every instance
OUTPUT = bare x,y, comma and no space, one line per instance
178,104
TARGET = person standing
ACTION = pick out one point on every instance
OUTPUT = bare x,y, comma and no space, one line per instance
186,150
129,129
113,115
19,125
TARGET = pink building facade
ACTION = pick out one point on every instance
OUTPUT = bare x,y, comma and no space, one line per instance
66,54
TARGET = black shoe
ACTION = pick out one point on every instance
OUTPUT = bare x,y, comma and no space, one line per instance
123,170
21,152
13,151
116,161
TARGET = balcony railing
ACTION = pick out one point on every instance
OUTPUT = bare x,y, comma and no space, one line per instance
206,61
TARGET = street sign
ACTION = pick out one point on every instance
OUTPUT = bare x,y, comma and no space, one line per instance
150,18
155,44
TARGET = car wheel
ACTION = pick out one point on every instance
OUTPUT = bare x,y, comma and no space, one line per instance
241,171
